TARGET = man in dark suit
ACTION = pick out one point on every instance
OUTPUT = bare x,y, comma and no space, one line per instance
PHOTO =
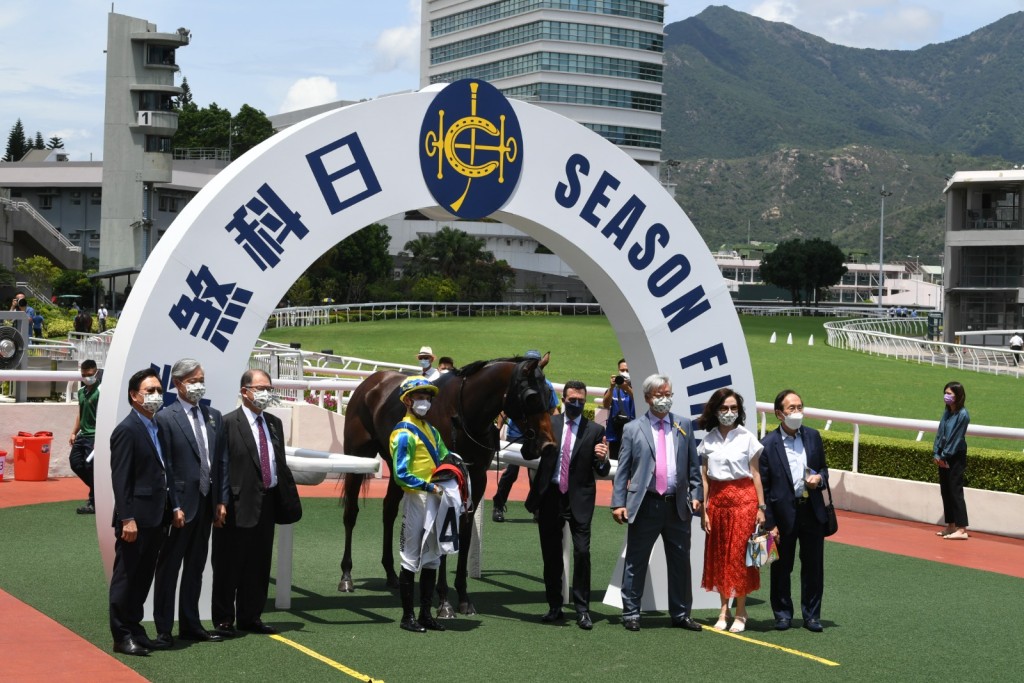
143,505
563,492
793,472
657,491
263,493
192,440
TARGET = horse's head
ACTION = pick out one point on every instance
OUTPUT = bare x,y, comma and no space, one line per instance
528,404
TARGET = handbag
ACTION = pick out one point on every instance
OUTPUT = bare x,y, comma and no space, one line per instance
761,548
831,522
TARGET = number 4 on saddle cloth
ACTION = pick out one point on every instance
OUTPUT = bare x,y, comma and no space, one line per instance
444,512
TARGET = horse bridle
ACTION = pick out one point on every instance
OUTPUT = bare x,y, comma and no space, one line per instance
516,379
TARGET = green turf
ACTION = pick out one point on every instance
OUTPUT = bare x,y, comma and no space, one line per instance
887,617
586,348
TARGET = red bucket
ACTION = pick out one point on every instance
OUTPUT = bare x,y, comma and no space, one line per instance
32,456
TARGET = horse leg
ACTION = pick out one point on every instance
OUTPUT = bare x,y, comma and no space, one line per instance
444,608
392,499
351,501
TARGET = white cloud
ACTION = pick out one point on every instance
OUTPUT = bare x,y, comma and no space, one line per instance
885,24
397,48
309,92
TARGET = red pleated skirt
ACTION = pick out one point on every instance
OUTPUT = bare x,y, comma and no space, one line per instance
732,510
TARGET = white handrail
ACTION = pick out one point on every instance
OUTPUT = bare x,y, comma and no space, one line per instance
25,206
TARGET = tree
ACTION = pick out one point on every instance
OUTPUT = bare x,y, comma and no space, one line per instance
17,143
38,271
184,100
461,258
55,143
784,268
823,267
249,128
805,268
209,127
74,282
39,144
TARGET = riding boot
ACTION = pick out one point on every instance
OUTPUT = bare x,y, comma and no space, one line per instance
428,581
405,590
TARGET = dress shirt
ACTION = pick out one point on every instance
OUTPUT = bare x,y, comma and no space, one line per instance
251,416
728,457
797,460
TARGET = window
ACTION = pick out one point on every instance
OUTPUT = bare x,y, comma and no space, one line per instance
160,54
155,101
158,143
46,202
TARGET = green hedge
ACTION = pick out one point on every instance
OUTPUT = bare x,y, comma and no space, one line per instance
989,469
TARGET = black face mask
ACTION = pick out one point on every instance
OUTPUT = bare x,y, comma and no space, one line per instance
573,409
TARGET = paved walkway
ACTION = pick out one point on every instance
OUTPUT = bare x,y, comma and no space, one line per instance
24,632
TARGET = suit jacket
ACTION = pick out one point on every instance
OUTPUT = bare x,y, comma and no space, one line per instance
777,479
180,448
637,460
583,463
139,479
245,477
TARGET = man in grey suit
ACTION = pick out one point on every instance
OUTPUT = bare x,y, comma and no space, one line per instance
192,439
657,491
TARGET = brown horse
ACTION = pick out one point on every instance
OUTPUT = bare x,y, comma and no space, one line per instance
464,411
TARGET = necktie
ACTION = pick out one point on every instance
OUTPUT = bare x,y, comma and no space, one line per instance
563,467
204,454
264,453
661,461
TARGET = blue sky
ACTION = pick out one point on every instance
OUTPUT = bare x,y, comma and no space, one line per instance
284,56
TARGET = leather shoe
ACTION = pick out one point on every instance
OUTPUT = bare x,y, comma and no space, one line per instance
498,515
409,623
553,614
226,630
163,641
782,624
688,623
258,627
128,646
584,621
430,623
202,635
813,625
631,624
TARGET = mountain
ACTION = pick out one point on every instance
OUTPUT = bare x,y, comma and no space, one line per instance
787,135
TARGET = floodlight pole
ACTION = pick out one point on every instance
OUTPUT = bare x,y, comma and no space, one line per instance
881,249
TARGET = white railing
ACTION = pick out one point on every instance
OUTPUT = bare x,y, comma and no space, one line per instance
887,337
298,316
25,206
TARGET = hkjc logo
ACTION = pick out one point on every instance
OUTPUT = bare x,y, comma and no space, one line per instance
471,167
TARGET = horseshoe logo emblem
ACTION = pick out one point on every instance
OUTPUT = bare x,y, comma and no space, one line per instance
472,166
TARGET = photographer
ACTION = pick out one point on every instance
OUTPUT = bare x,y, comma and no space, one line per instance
618,400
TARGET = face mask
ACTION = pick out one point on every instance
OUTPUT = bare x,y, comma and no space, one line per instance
424,363
625,376
794,420
662,404
421,406
194,392
950,399
573,409
89,381
728,419
262,399
152,402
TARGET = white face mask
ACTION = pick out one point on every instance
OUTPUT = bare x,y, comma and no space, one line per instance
195,392
794,420
728,419
152,402
262,399
421,406
662,404
625,376
424,363
89,381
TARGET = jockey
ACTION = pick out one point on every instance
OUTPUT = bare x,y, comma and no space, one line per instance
416,450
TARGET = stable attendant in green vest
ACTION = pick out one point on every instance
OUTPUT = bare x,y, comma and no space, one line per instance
83,434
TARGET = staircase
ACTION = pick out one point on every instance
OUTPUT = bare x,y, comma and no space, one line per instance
49,241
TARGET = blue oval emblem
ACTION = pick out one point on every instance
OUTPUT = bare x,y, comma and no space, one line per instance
471,149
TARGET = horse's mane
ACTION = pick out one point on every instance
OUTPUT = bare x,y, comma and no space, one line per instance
477,365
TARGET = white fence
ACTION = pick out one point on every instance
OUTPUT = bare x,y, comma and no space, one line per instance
301,316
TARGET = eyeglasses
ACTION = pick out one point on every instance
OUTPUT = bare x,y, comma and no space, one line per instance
729,409
262,388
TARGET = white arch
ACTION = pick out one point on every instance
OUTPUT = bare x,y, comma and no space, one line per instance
578,194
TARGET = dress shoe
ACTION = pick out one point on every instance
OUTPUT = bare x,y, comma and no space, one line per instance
584,621
430,623
87,509
409,623
688,623
163,641
201,635
553,614
631,624
128,646
813,625
226,630
498,515
258,627
782,624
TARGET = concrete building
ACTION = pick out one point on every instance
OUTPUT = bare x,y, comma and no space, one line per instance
984,253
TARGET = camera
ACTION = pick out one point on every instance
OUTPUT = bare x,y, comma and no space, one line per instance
620,380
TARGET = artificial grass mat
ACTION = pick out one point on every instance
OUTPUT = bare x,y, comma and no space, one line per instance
886,616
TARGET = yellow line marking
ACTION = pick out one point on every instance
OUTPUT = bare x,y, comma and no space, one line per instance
327,660
798,653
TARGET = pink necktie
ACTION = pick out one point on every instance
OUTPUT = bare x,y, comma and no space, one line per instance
264,453
661,461
563,468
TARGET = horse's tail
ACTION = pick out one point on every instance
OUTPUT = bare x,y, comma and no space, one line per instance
352,484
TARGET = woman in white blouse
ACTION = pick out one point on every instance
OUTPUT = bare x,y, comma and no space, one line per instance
733,504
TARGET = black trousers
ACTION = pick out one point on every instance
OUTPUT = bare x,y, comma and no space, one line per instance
184,550
951,486
508,477
552,516
80,450
810,534
241,567
131,578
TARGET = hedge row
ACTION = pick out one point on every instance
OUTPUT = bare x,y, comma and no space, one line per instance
989,469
